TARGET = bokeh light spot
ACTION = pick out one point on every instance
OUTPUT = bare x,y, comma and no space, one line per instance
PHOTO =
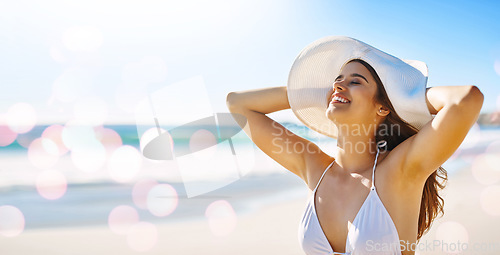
11,221
21,118
74,135
26,139
496,66
50,147
109,138
122,218
124,164
7,136
51,184
203,144
493,148
485,168
43,153
221,218
54,133
89,157
490,197
452,232
142,237
140,192
162,200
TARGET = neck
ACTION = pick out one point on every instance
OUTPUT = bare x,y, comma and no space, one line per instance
356,151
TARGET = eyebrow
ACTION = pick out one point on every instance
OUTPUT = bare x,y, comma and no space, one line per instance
354,75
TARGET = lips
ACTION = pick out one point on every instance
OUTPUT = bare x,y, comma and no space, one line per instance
339,98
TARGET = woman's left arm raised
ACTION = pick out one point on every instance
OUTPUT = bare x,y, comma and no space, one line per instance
457,109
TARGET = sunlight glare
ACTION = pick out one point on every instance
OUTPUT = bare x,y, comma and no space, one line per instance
82,38
148,69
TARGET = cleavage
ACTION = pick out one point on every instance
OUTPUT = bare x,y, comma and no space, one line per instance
334,207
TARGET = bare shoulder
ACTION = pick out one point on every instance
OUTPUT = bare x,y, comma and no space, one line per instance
316,163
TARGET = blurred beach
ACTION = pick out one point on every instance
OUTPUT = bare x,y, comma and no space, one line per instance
71,204
85,86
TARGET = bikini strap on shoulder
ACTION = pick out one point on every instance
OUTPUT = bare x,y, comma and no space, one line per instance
324,172
380,144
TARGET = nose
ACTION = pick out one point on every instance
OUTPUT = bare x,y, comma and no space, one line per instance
338,85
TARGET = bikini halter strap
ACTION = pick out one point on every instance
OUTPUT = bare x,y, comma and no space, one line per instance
380,144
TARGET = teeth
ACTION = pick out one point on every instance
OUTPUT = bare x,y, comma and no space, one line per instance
340,99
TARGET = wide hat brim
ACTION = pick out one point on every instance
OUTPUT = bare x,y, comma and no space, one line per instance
318,64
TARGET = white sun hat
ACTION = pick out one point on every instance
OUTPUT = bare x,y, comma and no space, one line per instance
318,64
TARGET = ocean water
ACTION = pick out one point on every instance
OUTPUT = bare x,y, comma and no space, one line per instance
90,197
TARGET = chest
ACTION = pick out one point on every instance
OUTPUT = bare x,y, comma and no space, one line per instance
336,208
355,208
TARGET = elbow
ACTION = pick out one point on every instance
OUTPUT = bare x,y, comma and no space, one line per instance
231,101
473,99
475,95
229,97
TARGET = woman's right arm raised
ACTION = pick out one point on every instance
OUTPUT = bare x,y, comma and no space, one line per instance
289,150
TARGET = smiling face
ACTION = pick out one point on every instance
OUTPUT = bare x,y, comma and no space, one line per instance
352,98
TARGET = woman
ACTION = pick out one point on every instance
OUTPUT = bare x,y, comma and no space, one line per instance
379,110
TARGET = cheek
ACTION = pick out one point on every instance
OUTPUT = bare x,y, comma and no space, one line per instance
364,101
363,97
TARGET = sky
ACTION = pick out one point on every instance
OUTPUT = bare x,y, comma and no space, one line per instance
96,60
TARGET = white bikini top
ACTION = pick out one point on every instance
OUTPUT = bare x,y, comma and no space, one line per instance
371,232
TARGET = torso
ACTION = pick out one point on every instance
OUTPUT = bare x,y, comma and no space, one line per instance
400,197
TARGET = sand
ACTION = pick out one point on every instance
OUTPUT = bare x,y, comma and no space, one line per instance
270,230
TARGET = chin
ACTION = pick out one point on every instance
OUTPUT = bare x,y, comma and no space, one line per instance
333,114
338,115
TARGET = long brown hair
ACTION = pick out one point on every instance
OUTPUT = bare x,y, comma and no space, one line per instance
432,204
